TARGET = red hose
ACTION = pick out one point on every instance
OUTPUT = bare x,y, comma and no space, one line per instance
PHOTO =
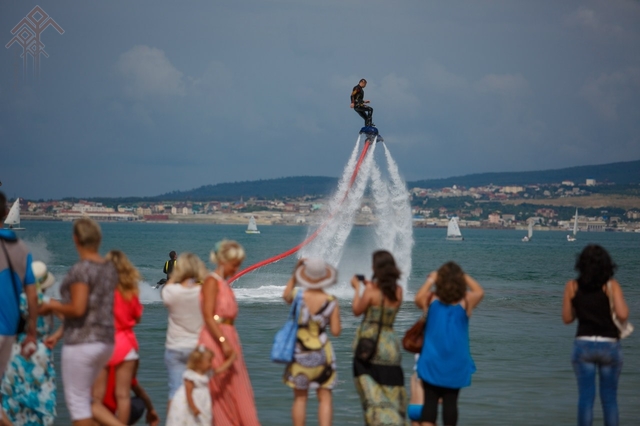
311,237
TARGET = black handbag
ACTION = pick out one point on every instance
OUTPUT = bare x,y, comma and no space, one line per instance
366,347
22,324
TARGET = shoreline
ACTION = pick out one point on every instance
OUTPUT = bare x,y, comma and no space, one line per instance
242,219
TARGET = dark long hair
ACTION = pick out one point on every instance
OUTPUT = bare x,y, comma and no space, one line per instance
386,273
451,285
595,268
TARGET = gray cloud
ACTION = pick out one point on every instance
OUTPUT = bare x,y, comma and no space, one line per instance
139,98
148,73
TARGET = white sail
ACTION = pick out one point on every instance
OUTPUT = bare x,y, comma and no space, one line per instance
453,230
13,218
527,237
252,228
575,228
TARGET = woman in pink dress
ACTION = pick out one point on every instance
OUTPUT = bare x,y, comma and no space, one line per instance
127,312
231,392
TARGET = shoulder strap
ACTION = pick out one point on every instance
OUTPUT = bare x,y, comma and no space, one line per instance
13,278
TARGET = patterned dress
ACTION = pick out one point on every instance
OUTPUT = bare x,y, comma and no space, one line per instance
380,383
314,362
29,385
231,392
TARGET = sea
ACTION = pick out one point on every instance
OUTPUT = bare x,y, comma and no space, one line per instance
518,340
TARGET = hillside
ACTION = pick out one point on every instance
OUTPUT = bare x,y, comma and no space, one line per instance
619,173
623,173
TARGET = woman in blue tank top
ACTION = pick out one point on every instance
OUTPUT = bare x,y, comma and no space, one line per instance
445,363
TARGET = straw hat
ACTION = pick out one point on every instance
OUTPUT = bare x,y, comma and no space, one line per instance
315,273
43,277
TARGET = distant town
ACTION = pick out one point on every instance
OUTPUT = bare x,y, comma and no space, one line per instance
546,206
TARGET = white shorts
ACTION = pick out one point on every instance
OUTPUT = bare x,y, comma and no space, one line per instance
132,356
81,365
6,347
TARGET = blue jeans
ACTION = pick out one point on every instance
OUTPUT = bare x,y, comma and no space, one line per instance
606,358
176,362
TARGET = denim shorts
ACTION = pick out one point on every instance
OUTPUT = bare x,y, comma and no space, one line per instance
176,362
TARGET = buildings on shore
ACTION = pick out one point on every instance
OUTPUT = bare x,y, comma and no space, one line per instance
486,207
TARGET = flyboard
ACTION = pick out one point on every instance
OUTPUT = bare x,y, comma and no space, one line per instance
372,135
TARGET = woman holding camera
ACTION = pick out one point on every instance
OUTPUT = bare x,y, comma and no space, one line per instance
445,364
377,367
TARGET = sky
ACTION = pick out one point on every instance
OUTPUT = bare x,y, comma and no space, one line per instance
139,98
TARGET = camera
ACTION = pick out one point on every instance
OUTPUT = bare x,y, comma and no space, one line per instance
360,277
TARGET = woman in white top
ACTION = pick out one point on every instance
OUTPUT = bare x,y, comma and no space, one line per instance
181,295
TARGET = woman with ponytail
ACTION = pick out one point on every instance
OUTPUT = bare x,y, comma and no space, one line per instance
380,380
231,392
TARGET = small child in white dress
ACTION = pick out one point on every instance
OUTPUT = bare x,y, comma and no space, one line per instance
191,405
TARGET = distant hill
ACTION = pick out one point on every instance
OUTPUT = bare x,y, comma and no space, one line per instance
296,186
619,173
622,173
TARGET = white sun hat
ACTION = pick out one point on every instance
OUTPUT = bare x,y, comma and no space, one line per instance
43,276
315,273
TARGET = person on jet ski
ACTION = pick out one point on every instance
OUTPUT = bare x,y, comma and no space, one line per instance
169,264
359,104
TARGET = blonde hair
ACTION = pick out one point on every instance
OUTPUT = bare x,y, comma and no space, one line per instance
196,356
187,266
128,275
87,233
227,251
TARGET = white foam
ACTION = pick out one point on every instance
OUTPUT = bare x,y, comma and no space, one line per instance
38,249
148,294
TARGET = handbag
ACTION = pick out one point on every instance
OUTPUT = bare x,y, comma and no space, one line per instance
284,342
22,324
626,328
413,339
366,347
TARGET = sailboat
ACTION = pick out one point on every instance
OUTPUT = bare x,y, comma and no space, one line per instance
529,235
575,228
453,230
13,218
252,228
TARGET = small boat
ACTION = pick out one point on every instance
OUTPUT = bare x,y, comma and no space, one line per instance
252,228
575,228
529,235
453,230
13,218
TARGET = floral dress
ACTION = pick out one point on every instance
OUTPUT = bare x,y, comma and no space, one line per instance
380,383
180,414
29,385
314,362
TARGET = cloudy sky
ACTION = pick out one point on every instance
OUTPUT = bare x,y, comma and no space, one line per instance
144,97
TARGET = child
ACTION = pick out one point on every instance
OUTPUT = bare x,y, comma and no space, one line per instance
191,404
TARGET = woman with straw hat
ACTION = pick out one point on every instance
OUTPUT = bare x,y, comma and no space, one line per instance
314,362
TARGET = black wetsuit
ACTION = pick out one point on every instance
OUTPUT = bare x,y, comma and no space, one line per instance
168,267
364,111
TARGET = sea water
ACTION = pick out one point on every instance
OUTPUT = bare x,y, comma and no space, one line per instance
518,341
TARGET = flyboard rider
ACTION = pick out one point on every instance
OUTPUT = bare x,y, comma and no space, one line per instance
359,104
